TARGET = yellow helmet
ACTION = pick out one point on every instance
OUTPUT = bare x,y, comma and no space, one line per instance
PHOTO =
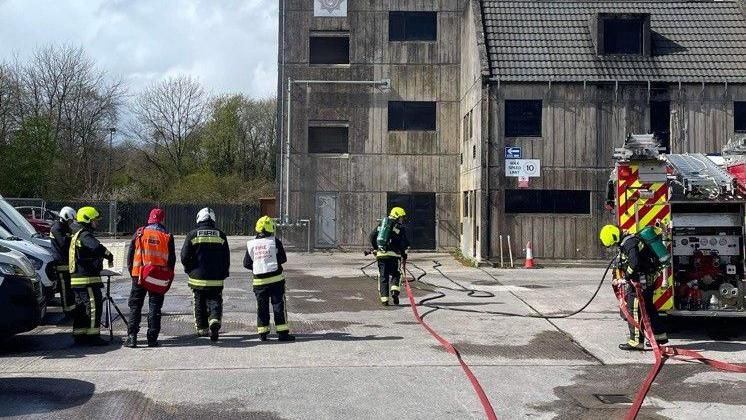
610,235
266,224
87,215
397,212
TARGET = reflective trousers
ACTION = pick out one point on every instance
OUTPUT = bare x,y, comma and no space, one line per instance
66,292
87,313
389,277
273,293
208,307
136,302
637,337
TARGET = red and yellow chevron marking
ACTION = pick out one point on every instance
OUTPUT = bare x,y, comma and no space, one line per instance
640,205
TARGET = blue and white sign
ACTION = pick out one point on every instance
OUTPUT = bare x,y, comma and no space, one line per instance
523,168
513,152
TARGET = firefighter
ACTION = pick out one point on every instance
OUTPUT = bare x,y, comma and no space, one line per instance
390,244
206,259
60,233
86,256
638,263
151,245
264,257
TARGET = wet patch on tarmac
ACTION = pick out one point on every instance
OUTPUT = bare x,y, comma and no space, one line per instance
123,405
547,345
577,401
25,396
334,294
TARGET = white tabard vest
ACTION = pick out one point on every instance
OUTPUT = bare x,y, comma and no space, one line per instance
263,252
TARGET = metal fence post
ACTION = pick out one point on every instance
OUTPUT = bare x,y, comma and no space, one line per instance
113,218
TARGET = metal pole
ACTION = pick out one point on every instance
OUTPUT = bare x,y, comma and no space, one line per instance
510,253
112,130
286,212
502,260
280,204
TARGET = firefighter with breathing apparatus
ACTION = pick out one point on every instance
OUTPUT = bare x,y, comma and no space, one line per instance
61,233
86,256
390,245
641,258
264,257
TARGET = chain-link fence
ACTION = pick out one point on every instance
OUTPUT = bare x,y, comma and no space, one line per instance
123,218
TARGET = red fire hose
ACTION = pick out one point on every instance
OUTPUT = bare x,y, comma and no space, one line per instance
486,405
662,353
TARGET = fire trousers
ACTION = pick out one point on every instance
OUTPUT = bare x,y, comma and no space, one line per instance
136,302
66,292
87,312
636,336
389,277
208,307
273,293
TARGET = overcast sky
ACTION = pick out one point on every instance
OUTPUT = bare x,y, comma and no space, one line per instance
229,45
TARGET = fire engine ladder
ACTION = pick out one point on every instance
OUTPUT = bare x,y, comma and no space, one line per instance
699,175
638,146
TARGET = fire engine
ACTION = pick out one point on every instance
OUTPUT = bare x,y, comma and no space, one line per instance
698,202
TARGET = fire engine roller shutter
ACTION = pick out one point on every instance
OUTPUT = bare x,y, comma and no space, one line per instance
420,220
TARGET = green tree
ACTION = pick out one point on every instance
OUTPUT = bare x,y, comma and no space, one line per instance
29,159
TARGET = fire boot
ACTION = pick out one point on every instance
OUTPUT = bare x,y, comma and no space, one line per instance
285,336
629,346
214,329
131,341
263,336
395,297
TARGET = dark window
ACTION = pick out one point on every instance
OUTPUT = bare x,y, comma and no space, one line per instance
411,116
466,127
623,36
660,122
413,26
739,116
332,49
420,220
548,201
523,118
471,124
328,140
466,203
474,151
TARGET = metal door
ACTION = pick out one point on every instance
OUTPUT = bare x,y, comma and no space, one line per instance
326,220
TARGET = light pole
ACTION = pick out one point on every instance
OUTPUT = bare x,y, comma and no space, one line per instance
112,130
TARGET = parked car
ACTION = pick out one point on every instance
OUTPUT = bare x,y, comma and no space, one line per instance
17,225
40,218
41,260
22,305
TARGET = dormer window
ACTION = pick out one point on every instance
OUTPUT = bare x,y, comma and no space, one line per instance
622,34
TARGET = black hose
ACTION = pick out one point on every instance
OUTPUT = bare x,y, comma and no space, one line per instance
476,293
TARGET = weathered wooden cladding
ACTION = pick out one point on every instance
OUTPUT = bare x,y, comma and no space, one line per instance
581,126
378,161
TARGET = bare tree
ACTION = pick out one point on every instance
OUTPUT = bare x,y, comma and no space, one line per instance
258,138
168,116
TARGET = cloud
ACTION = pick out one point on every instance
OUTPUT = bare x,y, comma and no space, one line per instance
229,45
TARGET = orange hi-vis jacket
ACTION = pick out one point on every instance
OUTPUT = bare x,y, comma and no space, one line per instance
151,248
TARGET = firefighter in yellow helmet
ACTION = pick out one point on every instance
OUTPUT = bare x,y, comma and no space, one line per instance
638,263
86,256
390,245
264,257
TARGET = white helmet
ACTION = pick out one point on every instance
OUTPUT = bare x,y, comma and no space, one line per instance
67,214
205,214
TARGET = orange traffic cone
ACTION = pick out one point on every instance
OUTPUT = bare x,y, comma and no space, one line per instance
529,257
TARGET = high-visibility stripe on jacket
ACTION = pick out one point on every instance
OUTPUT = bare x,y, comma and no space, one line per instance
205,283
86,256
151,248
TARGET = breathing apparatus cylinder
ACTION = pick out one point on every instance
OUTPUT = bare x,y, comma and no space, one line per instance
654,239
384,233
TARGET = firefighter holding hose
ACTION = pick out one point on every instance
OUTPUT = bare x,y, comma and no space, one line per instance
390,245
640,259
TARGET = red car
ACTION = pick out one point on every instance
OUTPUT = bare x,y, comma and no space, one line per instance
40,218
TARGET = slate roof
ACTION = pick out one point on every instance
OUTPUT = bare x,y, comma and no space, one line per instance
692,41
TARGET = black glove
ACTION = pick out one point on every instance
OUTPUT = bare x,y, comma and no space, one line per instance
109,257
404,256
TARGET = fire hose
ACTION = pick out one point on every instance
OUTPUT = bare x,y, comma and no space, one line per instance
662,353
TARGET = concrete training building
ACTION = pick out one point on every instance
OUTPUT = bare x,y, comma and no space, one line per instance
470,82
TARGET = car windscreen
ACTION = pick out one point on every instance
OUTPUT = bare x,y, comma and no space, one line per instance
15,223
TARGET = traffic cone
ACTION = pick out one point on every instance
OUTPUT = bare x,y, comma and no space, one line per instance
529,257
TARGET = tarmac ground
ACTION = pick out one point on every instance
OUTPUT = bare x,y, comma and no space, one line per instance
356,359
